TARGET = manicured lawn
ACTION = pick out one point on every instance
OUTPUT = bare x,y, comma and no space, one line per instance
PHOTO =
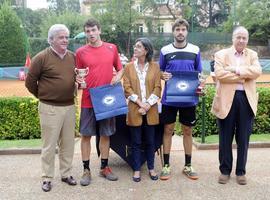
253,138
4,144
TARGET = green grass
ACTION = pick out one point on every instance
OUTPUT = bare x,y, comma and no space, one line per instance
253,138
33,143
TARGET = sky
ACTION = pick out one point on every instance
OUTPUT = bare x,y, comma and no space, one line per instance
36,4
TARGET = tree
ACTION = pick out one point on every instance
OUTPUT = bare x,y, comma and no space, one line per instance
255,17
73,5
73,21
211,13
14,44
10,2
117,18
174,7
61,6
31,20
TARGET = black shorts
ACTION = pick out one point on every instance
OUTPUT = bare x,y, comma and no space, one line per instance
187,115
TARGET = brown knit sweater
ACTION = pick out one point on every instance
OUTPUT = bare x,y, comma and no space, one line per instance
52,79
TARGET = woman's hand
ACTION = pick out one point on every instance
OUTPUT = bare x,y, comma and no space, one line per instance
142,111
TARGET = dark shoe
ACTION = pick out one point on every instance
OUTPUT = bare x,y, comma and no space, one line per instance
153,177
69,180
86,178
46,186
136,179
108,174
223,179
241,180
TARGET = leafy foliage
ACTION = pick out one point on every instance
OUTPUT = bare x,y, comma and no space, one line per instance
19,118
73,21
62,6
31,20
14,44
262,119
210,119
37,45
211,13
255,17
117,19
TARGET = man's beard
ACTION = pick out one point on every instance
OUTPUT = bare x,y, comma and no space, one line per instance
180,40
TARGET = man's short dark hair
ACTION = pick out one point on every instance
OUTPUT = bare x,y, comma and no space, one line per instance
180,22
91,23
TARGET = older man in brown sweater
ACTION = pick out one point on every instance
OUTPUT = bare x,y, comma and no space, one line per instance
51,79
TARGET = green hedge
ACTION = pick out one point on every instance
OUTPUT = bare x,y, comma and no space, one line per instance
210,120
262,119
38,44
19,118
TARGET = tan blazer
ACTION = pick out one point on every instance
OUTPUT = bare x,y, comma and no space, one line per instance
250,69
132,86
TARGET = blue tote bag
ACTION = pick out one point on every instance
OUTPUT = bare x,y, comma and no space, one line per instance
108,101
182,87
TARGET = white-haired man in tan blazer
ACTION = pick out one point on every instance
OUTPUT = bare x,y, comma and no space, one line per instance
235,102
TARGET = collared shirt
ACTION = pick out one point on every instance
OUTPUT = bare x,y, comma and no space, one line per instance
60,55
239,56
141,76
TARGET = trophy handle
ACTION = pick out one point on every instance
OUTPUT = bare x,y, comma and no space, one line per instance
75,70
87,71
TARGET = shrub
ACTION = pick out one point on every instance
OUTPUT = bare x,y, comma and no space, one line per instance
210,119
37,45
262,119
19,118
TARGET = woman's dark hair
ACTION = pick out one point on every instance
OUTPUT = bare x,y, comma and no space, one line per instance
147,44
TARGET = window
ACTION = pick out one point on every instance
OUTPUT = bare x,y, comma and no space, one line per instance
139,28
139,8
160,28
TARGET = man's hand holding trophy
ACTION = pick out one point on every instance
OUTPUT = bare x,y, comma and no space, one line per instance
200,90
80,76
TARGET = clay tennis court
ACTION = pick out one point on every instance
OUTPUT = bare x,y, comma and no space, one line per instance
17,88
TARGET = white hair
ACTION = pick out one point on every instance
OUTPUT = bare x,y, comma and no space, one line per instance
238,29
54,29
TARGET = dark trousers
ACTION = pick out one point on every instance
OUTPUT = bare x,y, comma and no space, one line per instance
136,143
239,122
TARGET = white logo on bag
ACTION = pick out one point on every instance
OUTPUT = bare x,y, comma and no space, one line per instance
182,85
108,100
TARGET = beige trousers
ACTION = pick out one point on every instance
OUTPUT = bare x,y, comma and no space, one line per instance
57,128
